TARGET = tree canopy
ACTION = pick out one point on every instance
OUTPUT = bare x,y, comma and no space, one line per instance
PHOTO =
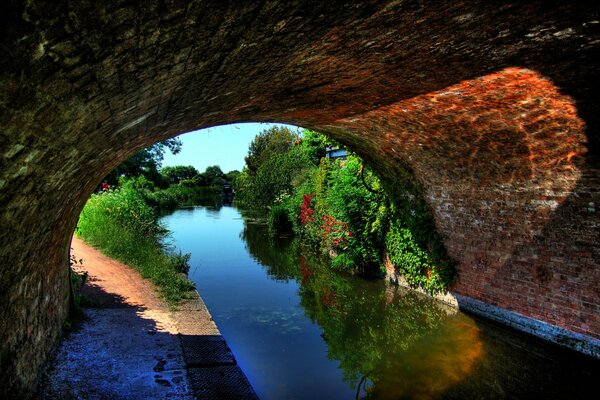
278,159
178,173
145,162
274,140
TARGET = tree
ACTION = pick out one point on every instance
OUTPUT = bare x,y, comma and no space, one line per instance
276,175
176,174
278,161
212,176
316,143
145,162
275,140
231,176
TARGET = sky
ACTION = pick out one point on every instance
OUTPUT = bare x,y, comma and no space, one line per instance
225,146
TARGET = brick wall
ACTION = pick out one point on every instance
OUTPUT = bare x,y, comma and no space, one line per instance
493,105
502,160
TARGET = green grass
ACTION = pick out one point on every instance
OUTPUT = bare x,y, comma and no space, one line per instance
121,225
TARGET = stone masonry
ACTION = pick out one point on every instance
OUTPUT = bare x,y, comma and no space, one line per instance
492,105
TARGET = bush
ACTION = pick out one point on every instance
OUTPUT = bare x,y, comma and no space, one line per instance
279,219
162,200
180,262
123,226
418,266
347,212
278,163
166,200
124,206
348,201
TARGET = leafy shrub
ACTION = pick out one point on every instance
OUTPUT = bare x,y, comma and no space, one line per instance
349,201
418,266
123,226
162,200
346,211
169,199
124,206
279,220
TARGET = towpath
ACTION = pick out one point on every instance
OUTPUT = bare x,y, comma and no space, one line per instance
130,345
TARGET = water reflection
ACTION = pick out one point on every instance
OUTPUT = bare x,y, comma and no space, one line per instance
277,255
390,343
300,330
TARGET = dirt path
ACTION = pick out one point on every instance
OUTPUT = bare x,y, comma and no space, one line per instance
131,346
113,277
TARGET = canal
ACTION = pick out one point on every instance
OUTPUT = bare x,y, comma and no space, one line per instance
301,331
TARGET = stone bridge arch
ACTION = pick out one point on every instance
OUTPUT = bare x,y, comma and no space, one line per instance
493,106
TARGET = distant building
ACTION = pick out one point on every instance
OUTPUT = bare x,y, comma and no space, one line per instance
335,153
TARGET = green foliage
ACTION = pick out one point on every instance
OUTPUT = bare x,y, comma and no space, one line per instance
413,245
125,206
274,179
176,174
231,176
279,163
145,162
310,233
162,200
315,144
123,226
212,176
342,208
169,199
188,176
180,262
357,220
347,199
275,140
413,262
278,219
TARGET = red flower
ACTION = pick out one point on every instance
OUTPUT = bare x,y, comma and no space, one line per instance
335,232
306,213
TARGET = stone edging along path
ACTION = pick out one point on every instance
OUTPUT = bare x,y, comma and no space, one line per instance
130,345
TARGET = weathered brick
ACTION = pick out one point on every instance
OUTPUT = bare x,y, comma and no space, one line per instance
500,130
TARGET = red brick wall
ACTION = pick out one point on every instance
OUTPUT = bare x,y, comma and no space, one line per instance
501,153
502,160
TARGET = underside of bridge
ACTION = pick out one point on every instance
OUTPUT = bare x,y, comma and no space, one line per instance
492,104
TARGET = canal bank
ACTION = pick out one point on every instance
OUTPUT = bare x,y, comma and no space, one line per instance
540,329
302,330
129,344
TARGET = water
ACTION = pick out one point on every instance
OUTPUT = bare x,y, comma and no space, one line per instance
300,331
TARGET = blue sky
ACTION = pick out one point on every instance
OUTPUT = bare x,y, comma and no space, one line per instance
225,146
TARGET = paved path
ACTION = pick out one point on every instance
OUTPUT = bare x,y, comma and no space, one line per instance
131,346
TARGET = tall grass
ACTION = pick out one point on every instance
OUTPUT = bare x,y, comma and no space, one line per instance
123,226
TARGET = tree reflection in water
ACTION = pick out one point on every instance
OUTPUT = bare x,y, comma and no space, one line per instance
390,343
